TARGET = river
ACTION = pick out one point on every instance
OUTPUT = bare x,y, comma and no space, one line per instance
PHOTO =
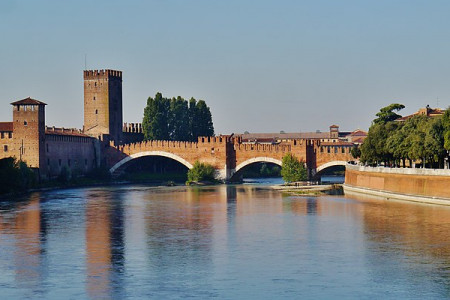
227,242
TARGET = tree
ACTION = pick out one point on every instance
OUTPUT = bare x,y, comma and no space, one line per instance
156,117
387,114
355,152
15,176
201,172
176,119
292,169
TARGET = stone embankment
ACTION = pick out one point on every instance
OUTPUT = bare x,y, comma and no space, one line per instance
419,185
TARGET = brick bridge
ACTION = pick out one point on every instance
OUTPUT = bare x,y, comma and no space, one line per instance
229,155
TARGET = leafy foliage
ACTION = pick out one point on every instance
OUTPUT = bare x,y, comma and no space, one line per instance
176,119
201,172
417,138
15,176
292,169
387,114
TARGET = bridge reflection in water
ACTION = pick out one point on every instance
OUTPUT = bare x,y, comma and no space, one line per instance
104,242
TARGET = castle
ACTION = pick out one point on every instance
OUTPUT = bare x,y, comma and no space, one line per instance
49,149
106,141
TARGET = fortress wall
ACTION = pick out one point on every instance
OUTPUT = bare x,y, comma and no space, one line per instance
414,182
6,144
74,152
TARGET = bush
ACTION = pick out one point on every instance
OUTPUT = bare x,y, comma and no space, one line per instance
201,172
292,169
15,176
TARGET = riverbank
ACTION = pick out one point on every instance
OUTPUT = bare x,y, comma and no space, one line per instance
417,185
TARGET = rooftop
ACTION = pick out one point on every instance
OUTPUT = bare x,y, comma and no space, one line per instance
28,101
64,131
6,126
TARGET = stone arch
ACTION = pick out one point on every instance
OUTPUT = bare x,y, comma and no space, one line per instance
150,153
331,164
257,160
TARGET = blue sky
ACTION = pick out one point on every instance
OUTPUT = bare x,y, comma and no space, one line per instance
260,65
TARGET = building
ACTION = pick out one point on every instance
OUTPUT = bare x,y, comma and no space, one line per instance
48,149
333,136
425,111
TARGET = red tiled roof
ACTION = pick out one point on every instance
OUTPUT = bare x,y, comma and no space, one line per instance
6,126
358,132
340,143
28,101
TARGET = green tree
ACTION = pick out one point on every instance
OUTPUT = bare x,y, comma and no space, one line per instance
387,114
355,152
201,172
15,176
179,120
156,117
292,169
176,119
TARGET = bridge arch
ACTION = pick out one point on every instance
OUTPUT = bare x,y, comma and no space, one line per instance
257,160
331,164
150,153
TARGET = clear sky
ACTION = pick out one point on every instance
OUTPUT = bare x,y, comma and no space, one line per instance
261,66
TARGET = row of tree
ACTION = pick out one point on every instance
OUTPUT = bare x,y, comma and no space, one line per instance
176,119
419,138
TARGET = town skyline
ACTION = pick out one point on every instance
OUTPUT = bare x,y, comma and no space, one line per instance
293,67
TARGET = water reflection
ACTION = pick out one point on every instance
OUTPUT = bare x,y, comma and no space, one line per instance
225,241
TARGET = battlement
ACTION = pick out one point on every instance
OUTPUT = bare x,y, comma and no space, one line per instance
132,127
96,74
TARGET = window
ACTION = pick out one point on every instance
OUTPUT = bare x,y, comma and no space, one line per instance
96,112
328,148
25,123
5,148
3,135
94,98
10,135
95,83
343,150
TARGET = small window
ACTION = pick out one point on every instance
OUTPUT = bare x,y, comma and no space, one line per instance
94,98
25,123
5,148
3,135
10,135
343,150
96,112
95,83
328,148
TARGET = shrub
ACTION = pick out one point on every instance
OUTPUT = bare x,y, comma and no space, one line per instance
292,169
201,172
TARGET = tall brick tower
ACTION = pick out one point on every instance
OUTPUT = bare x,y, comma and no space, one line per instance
29,132
103,104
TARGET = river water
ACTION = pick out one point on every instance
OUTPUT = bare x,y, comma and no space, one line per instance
227,242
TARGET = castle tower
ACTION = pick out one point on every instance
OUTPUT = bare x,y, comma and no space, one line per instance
103,104
29,132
